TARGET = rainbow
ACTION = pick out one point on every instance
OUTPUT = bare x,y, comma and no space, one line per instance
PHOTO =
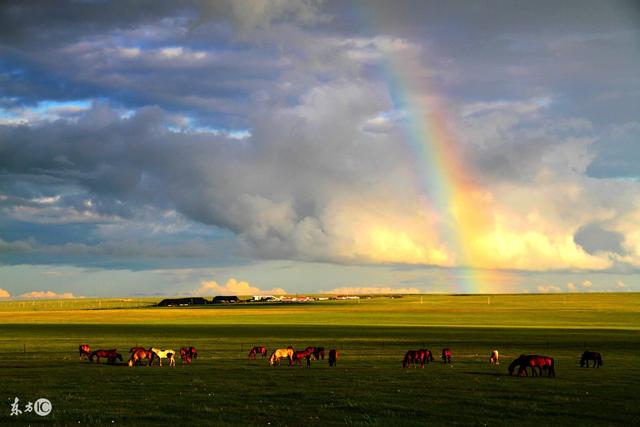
441,175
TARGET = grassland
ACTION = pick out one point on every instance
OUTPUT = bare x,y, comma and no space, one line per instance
38,347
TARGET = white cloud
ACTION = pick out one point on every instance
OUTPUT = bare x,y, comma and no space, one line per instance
46,295
4,294
548,289
372,290
234,287
586,284
572,287
620,284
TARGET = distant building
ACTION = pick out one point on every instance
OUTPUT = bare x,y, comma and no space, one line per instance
225,299
259,298
177,302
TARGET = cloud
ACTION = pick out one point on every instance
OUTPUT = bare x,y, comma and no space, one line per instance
46,295
594,238
157,156
234,287
548,289
4,294
586,284
372,290
620,284
572,287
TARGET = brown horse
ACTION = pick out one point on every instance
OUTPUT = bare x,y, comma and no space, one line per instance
84,350
533,361
425,356
333,357
305,354
591,355
139,355
110,355
318,353
187,354
446,355
257,350
410,358
494,359
134,349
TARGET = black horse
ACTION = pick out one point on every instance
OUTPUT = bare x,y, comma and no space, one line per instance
318,353
333,357
591,355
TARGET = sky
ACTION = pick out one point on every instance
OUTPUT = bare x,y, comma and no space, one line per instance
212,147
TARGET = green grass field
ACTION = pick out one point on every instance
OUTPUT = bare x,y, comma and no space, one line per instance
39,340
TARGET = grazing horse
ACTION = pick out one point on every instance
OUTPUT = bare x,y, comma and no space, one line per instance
187,354
135,349
410,358
257,350
533,361
333,357
84,350
305,354
280,353
318,353
446,355
165,354
591,355
110,355
521,362
425,356
139,355
494,359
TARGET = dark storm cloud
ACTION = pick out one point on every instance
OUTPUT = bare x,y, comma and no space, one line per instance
594,238
180,55
171,81
109,168
618,151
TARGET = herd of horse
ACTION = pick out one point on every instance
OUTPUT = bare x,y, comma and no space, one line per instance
538,364
139,355
295,357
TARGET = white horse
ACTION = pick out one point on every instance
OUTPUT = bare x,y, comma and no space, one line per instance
495,358
165,354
